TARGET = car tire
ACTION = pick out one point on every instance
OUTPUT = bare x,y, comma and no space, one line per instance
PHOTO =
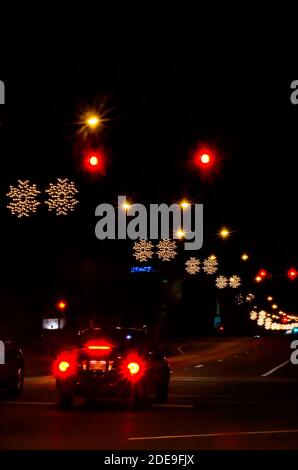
15,387
66,400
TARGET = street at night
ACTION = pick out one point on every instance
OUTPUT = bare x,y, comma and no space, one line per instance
219,399
149,249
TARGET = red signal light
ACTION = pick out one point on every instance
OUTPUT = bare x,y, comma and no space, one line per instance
204,158
61,305
95,162
263,273
292,273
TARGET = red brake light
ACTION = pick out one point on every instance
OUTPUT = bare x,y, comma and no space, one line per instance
99,347
133,368
65,365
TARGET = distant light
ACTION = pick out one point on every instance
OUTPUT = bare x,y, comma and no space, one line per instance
61,305
93,121
292,273
94,160
263,273
205,158
258,279
212,257
184,204
274,306
269,298
295,330
244,257
126,206
128,336
180,234
224,232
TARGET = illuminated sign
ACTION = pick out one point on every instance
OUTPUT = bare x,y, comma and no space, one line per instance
142,269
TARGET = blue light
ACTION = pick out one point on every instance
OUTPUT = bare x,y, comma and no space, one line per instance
295,330
141,269
128,336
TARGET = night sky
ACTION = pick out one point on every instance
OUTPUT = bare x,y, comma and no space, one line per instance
163,100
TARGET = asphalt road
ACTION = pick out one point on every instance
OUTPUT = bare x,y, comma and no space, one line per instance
225,394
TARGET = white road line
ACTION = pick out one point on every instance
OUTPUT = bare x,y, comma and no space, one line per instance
218,434
199,365
32,403
275,368
172,405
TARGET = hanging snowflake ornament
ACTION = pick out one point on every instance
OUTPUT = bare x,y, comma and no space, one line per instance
62,196
210,265
143,250
221,282
192,265
166,249
253,315
23,199
234,281
239,299
250,297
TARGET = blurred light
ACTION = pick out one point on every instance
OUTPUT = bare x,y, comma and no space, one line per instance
274,306
126,206
93,160
93,121
184,204
204,158
269,298
128,336
212,257
263,273
224,232
258,279
244,257
180,234
292,273
61,305
63,366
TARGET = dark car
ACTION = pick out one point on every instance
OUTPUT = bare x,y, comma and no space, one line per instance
12,367
121,362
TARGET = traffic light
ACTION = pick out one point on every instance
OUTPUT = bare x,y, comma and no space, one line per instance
204,158
61,305
94,162
292,274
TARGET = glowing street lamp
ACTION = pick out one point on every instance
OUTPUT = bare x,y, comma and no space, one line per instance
184,204
274,306
244,257
224,232
93,121
61,305
269,298
258,278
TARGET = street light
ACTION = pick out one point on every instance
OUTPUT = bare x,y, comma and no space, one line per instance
274,306
93,121
184,204
258,278
224,232
269,298
244,257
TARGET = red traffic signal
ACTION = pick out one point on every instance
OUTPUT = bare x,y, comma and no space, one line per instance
61,305
95,162
262,273
204,158
292,274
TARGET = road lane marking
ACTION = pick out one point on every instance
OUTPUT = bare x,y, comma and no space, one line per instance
218,434
172,405
275,368
199,365
32,403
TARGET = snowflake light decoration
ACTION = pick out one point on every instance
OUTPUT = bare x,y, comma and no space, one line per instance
239,299
143,250
253,315
192,265
221,282
166,249
210,265
23,199
62,196
250,297
234,281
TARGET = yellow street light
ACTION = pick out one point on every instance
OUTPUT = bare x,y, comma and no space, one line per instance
180,234
274,306
224,232
258,279
184,204
244,257
269,298
92,120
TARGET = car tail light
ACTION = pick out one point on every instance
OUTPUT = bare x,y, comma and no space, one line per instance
99,348
133,368
65,365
